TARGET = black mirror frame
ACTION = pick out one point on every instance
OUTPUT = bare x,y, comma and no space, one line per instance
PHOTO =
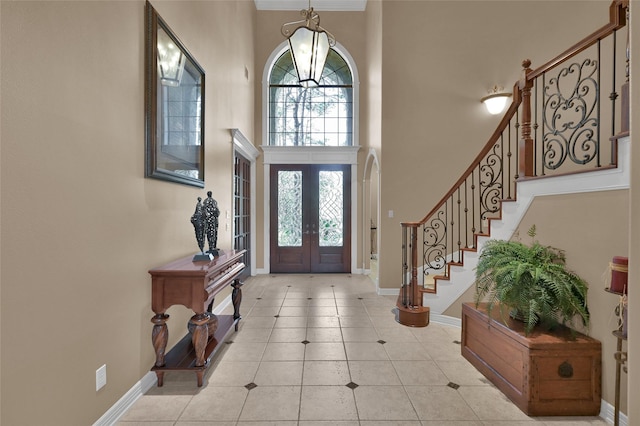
153,21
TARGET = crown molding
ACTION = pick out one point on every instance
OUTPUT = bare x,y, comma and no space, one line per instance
318,5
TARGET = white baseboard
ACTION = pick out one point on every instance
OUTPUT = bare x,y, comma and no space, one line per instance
388,291
149,380
445,320
607,413
128,399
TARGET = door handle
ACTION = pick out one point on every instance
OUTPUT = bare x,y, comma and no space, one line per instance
312,232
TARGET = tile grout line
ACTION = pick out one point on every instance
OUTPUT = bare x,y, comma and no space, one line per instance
346,356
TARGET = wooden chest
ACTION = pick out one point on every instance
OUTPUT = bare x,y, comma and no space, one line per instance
544,374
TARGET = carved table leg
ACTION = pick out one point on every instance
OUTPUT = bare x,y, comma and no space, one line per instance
160,376
200,336
159,337
236,299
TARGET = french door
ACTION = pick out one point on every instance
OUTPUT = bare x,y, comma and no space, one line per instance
310,218
242,210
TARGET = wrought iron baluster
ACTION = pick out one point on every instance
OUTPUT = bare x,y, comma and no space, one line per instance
413,293
473,206
459,229
405,268
543,130
535,126
450,249
480,201
509,160
613,97
517,143
466,216
502,165
446,234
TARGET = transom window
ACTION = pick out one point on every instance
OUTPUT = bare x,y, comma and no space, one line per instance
315,116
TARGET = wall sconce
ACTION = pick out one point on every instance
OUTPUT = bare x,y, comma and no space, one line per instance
496,100
171,61
309,46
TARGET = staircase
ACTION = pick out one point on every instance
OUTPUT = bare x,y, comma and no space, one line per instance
565,131
462,276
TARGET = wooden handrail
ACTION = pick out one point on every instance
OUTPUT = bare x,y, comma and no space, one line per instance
617,20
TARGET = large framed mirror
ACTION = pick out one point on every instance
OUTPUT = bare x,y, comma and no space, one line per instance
174,106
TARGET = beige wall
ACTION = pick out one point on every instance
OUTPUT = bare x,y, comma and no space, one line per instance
372,109
80,224
591,228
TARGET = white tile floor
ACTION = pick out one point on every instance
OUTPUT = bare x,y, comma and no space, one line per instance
326,350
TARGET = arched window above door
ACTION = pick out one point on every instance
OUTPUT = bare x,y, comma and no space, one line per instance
322,116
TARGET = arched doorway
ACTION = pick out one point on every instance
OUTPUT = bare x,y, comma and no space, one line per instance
371,217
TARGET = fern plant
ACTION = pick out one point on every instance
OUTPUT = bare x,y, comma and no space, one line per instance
532,281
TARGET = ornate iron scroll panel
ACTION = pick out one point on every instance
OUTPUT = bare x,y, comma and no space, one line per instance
571,116
574,110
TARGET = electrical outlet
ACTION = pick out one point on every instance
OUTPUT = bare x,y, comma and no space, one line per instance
101,377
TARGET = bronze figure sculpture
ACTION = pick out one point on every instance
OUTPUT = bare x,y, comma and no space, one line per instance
211,213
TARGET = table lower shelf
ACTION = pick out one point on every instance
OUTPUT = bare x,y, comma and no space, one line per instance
182,356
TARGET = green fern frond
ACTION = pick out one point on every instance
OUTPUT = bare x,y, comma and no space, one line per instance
532,231
532,280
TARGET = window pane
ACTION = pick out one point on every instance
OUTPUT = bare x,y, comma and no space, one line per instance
331,225
290,208
307,116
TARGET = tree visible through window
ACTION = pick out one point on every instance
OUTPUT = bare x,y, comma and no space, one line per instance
315,116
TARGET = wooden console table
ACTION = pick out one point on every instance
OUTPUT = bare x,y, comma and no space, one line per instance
193,285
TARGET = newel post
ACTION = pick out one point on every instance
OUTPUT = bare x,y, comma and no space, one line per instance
409,309
409,294
526,148
624,100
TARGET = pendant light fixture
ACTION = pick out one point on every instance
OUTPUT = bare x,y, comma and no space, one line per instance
309,45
